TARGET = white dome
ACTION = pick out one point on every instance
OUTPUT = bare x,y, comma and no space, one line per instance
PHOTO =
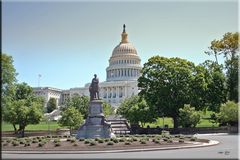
124,48
124,64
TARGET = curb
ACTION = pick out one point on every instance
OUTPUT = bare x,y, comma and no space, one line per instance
195,145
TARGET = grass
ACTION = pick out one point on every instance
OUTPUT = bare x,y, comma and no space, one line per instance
204,122
53,125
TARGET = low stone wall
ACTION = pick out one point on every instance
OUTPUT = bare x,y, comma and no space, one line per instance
199,130
37,133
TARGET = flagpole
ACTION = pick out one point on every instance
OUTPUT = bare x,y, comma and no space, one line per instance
39,76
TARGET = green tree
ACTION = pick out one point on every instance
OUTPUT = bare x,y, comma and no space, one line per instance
188,116
8,74
71,117
25,109
79,102
166,85
51,105
216,92
228,113
107,109
228,47
136,110
8,77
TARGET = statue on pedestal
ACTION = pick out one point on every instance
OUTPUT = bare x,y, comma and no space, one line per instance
94,88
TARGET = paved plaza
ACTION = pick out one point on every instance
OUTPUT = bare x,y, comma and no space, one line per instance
227,149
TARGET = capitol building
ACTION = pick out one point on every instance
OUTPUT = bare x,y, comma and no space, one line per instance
121,77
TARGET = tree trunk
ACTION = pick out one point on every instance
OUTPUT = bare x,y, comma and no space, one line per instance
175,122
21,130
15,129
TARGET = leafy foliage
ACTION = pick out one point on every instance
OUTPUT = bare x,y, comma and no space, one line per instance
71,117
188,116
136,110
216,92
228,47
24,109
79,102
51,105
167,84
228,113
107,109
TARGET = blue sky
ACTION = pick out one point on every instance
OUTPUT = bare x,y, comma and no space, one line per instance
68,42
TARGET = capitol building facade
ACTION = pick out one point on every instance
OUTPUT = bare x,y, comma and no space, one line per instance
121,77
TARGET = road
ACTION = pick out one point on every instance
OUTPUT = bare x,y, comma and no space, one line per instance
227,149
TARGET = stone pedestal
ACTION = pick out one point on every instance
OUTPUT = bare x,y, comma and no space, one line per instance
95,125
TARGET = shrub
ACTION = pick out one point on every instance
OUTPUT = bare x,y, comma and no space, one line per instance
134,139
87,141
169,141
57,144
75,144
93,143
193,138
15,143
157,141
181,141
130,140
165,139
115,140
97,139
142,141
188,116
8,141
122,140
68,139
100,141
22,142
40,144
49,136
228,113
56,140
73,140
81,139
34,141
26,144
110,143
127,143
107,140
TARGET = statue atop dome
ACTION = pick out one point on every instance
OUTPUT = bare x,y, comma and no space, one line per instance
94,88
124,35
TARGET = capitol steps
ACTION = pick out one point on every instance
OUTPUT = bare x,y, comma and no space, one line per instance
119,125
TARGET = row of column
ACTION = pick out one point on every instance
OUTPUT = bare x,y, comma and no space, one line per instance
128,72
114,92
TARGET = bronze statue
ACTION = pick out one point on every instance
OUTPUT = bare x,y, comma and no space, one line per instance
94,88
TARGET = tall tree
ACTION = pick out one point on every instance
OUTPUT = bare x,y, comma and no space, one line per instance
79,102
229,47
71,117
136,110
51,105
216,85
8,76
25,109
8,73
107,109
166,85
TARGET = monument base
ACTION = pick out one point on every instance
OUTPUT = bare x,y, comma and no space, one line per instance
95,125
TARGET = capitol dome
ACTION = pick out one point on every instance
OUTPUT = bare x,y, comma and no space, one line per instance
124,64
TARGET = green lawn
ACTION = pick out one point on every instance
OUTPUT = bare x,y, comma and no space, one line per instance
53,125
204,122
